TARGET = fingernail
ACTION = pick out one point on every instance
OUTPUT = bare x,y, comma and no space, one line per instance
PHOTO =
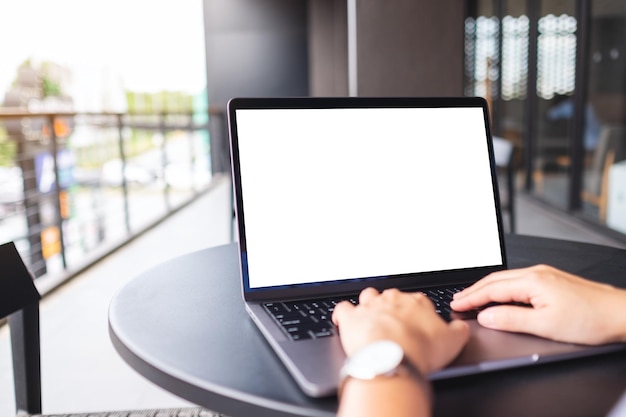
486,317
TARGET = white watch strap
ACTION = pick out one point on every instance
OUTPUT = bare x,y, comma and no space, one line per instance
405,368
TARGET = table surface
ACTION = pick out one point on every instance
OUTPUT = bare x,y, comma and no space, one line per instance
183,326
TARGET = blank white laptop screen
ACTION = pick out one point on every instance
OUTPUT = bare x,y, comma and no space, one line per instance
334,194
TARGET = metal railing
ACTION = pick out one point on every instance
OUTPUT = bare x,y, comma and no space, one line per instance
74,186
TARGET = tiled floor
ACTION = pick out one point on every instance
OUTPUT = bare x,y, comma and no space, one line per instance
80,369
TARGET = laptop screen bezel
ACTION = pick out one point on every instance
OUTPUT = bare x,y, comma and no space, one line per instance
425,279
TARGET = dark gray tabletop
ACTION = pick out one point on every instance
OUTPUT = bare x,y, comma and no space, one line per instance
183,326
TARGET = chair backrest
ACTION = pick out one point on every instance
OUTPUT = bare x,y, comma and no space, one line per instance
19,300
609,149
502,152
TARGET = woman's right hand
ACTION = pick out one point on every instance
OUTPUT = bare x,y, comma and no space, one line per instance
561,306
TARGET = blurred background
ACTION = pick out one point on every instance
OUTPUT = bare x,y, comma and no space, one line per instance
112,113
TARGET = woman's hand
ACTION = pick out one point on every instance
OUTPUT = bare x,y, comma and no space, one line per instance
561,306
406,318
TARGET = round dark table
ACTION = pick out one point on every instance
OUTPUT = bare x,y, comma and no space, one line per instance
183,326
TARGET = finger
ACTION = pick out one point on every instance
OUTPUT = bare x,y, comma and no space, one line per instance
367,295
500,275
392,293
341,310
423,299
419,295
494,276
394,298
502,291
512,319
459,329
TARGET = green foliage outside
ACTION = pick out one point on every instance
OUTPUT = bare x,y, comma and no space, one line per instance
8,149
158,103
105,146
49,87
97,153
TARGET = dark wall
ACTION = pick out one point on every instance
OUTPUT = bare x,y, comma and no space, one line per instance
299,47
404,47
328,48
255,48
409,47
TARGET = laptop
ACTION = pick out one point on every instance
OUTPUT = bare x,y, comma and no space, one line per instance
333,195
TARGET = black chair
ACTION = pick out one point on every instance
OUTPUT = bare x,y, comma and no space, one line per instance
19,300
503,151
609,150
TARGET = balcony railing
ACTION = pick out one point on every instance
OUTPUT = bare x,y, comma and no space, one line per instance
75,186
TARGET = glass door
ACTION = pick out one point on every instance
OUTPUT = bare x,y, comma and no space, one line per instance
603,191
555,81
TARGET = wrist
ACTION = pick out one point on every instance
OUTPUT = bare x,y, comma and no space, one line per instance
381,363
401,395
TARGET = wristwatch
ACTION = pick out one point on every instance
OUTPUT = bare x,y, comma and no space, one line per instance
383,358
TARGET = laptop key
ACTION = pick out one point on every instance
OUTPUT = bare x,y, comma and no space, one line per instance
321,333
289,316
296,333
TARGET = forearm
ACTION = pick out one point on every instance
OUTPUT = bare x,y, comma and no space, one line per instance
395,396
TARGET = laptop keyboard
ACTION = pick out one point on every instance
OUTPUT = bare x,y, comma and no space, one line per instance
311,319
308,319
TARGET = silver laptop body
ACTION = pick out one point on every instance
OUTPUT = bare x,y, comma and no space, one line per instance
333,195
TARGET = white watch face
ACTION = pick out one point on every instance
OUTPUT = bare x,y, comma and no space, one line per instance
378,358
